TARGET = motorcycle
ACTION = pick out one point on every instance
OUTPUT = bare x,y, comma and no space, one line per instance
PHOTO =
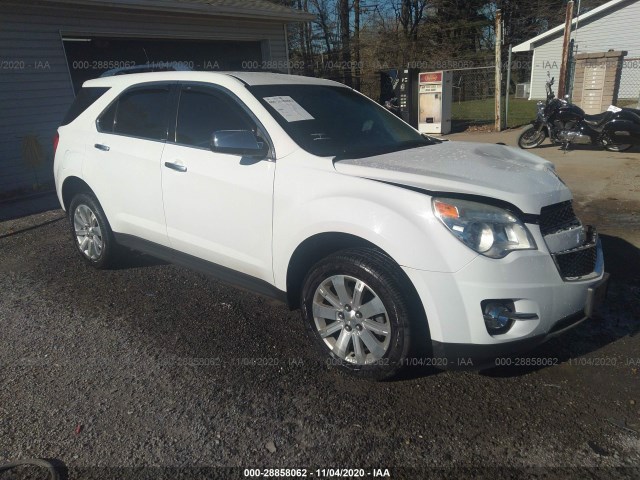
617,129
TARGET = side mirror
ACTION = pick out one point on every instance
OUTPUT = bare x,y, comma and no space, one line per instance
238,142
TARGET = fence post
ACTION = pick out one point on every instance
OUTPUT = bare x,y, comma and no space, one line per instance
506,94
498,89
562,81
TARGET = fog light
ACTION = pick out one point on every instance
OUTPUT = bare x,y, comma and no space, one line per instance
500,315
497,316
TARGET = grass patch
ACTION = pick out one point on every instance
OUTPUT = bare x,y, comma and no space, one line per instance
478,112
628,102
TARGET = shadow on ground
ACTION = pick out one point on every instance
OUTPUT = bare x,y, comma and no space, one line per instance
23,206
131,259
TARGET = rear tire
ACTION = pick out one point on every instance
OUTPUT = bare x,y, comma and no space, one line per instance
531,138
608,145
357,315
618,148
90,231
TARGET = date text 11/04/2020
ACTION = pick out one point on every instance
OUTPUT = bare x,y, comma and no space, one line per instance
317,473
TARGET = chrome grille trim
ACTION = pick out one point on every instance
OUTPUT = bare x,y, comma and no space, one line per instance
566,239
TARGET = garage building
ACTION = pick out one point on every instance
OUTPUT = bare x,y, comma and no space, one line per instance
48,48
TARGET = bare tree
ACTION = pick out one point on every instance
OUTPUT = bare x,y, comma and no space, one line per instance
410,13
305,39
325,24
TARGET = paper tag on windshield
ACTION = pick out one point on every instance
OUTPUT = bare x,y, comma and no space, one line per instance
290,110
613,108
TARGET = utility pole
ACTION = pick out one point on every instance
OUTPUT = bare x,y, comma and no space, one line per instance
565,50
345,44
356,38
506,94
498,90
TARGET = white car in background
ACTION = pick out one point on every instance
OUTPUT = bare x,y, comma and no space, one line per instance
394,245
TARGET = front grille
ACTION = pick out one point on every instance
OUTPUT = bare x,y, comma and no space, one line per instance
578,262
557,217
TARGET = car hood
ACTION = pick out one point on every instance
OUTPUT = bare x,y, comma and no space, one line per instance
497,171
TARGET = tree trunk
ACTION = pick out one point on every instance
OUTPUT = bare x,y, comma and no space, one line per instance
345,42
356,39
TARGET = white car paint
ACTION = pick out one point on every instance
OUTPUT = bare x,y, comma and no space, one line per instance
495,171
252,218
232,213
127,180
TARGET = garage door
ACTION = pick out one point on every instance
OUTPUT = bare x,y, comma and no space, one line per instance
89,57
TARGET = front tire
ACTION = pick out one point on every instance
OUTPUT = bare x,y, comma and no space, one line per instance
531,137
90,231
356,313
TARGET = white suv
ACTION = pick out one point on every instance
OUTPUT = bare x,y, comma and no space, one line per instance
397,247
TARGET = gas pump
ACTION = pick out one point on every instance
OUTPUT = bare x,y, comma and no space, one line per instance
434,92
400,88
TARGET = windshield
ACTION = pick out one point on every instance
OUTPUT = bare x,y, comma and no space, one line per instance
336,121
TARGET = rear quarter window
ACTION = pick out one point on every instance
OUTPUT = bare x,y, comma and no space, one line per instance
86,97
141,112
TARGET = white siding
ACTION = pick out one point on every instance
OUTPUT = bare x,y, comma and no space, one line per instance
34,100
547,60
615,29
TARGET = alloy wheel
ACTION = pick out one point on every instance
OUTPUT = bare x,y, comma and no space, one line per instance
88,232
351,319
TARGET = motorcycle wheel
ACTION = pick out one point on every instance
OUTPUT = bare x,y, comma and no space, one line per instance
618,148
606,142
531,138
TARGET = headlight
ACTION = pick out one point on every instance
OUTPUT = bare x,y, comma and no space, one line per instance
488,230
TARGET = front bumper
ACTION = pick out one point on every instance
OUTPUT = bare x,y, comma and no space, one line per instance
531,279
454,356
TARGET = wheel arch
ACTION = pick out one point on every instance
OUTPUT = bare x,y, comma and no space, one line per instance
311,251
71,186
321,245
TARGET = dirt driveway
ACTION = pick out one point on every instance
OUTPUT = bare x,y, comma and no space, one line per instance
150,367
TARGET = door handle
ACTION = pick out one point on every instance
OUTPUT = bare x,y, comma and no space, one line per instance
175,166
104,148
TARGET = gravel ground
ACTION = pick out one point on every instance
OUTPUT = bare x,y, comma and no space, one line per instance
146,366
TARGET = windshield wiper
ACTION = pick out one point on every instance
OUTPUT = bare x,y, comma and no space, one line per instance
433,140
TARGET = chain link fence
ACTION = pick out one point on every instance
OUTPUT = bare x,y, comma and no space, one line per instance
474,91
473,97
519,110
629,91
